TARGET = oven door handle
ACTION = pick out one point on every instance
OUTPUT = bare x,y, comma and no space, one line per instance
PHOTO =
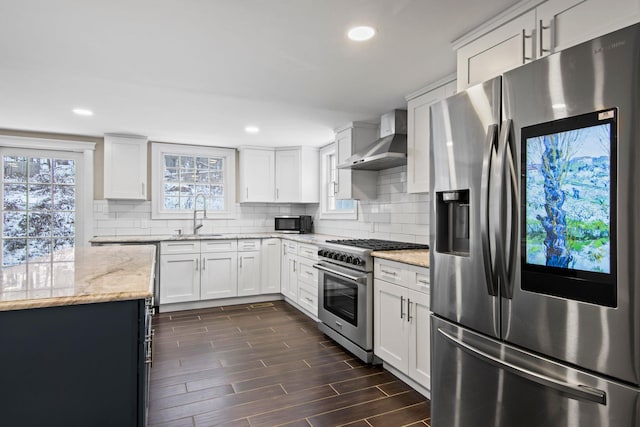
361,279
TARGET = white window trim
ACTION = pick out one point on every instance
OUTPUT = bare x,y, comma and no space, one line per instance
229,155
325,213
84,186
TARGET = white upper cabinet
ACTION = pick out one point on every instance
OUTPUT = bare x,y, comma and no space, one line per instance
282,175
297,175
355,184
508,46
125,167
530,30
419,133
564,23
257,175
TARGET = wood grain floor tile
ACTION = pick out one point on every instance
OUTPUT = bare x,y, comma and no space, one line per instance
267,364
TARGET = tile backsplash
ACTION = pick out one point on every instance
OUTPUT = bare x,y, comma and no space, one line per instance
393,215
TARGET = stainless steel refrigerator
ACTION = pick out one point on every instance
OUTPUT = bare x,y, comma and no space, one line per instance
535,243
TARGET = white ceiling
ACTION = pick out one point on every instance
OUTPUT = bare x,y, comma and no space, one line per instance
199,71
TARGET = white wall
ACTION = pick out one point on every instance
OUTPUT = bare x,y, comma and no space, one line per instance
393,215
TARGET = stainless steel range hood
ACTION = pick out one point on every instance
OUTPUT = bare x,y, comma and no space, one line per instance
389,151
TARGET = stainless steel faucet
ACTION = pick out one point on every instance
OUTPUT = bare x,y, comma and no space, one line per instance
195,212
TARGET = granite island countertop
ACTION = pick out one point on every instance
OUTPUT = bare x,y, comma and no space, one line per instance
81,276
419,257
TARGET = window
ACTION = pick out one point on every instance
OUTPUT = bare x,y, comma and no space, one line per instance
46,202
180,173
330,206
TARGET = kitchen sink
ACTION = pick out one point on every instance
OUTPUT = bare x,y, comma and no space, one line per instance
195,236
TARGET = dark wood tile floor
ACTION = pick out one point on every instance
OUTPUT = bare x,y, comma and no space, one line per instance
268,365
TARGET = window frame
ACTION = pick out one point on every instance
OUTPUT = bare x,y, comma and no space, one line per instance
326,184
84,174
158,150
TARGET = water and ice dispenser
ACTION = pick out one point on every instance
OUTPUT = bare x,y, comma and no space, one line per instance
452,222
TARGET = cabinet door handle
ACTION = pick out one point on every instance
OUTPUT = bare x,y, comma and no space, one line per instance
409,316
240,262
294,266
204,263
525,58
422,281
541,29
401,307
277,194
391,273
143,193
247,192
197,262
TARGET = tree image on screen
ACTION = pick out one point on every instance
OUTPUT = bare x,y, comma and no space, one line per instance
568,199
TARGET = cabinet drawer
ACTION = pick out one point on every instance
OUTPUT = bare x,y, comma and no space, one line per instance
308,298
307,273
289,247
180,247
418,279
308,251
219,245
389,271
248,245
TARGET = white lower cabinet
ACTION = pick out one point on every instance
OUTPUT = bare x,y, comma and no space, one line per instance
401,319
271,265
299,280
179,278
198,270
219,275
391,341
288,279
248,273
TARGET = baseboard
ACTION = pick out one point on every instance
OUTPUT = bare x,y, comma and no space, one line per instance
194,305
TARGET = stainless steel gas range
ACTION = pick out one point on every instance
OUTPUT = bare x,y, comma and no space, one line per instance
345,285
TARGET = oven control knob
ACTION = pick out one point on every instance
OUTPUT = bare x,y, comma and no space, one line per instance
342,257
321,252
335,255
349,259
358,261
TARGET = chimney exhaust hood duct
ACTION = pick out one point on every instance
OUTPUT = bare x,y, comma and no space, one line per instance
389,151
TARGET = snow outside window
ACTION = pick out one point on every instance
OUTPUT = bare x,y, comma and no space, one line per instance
39,209
180,173
330,206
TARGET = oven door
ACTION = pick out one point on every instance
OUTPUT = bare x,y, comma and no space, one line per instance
346,303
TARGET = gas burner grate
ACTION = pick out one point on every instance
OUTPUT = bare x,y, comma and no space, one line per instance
378,245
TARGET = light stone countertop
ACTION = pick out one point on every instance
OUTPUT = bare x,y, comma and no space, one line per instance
86,275
301,238
419,257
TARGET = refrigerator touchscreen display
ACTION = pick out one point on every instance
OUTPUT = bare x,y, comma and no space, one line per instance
568,191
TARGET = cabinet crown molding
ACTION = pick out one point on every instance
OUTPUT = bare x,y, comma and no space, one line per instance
351,125
502,18
431,86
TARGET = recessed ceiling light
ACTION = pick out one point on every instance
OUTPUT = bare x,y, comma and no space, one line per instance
252,129
360,34
82,112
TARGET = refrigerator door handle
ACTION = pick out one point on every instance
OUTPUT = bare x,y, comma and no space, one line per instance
506,261
576,391
489,152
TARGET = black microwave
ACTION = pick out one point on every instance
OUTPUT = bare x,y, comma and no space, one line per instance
301,224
